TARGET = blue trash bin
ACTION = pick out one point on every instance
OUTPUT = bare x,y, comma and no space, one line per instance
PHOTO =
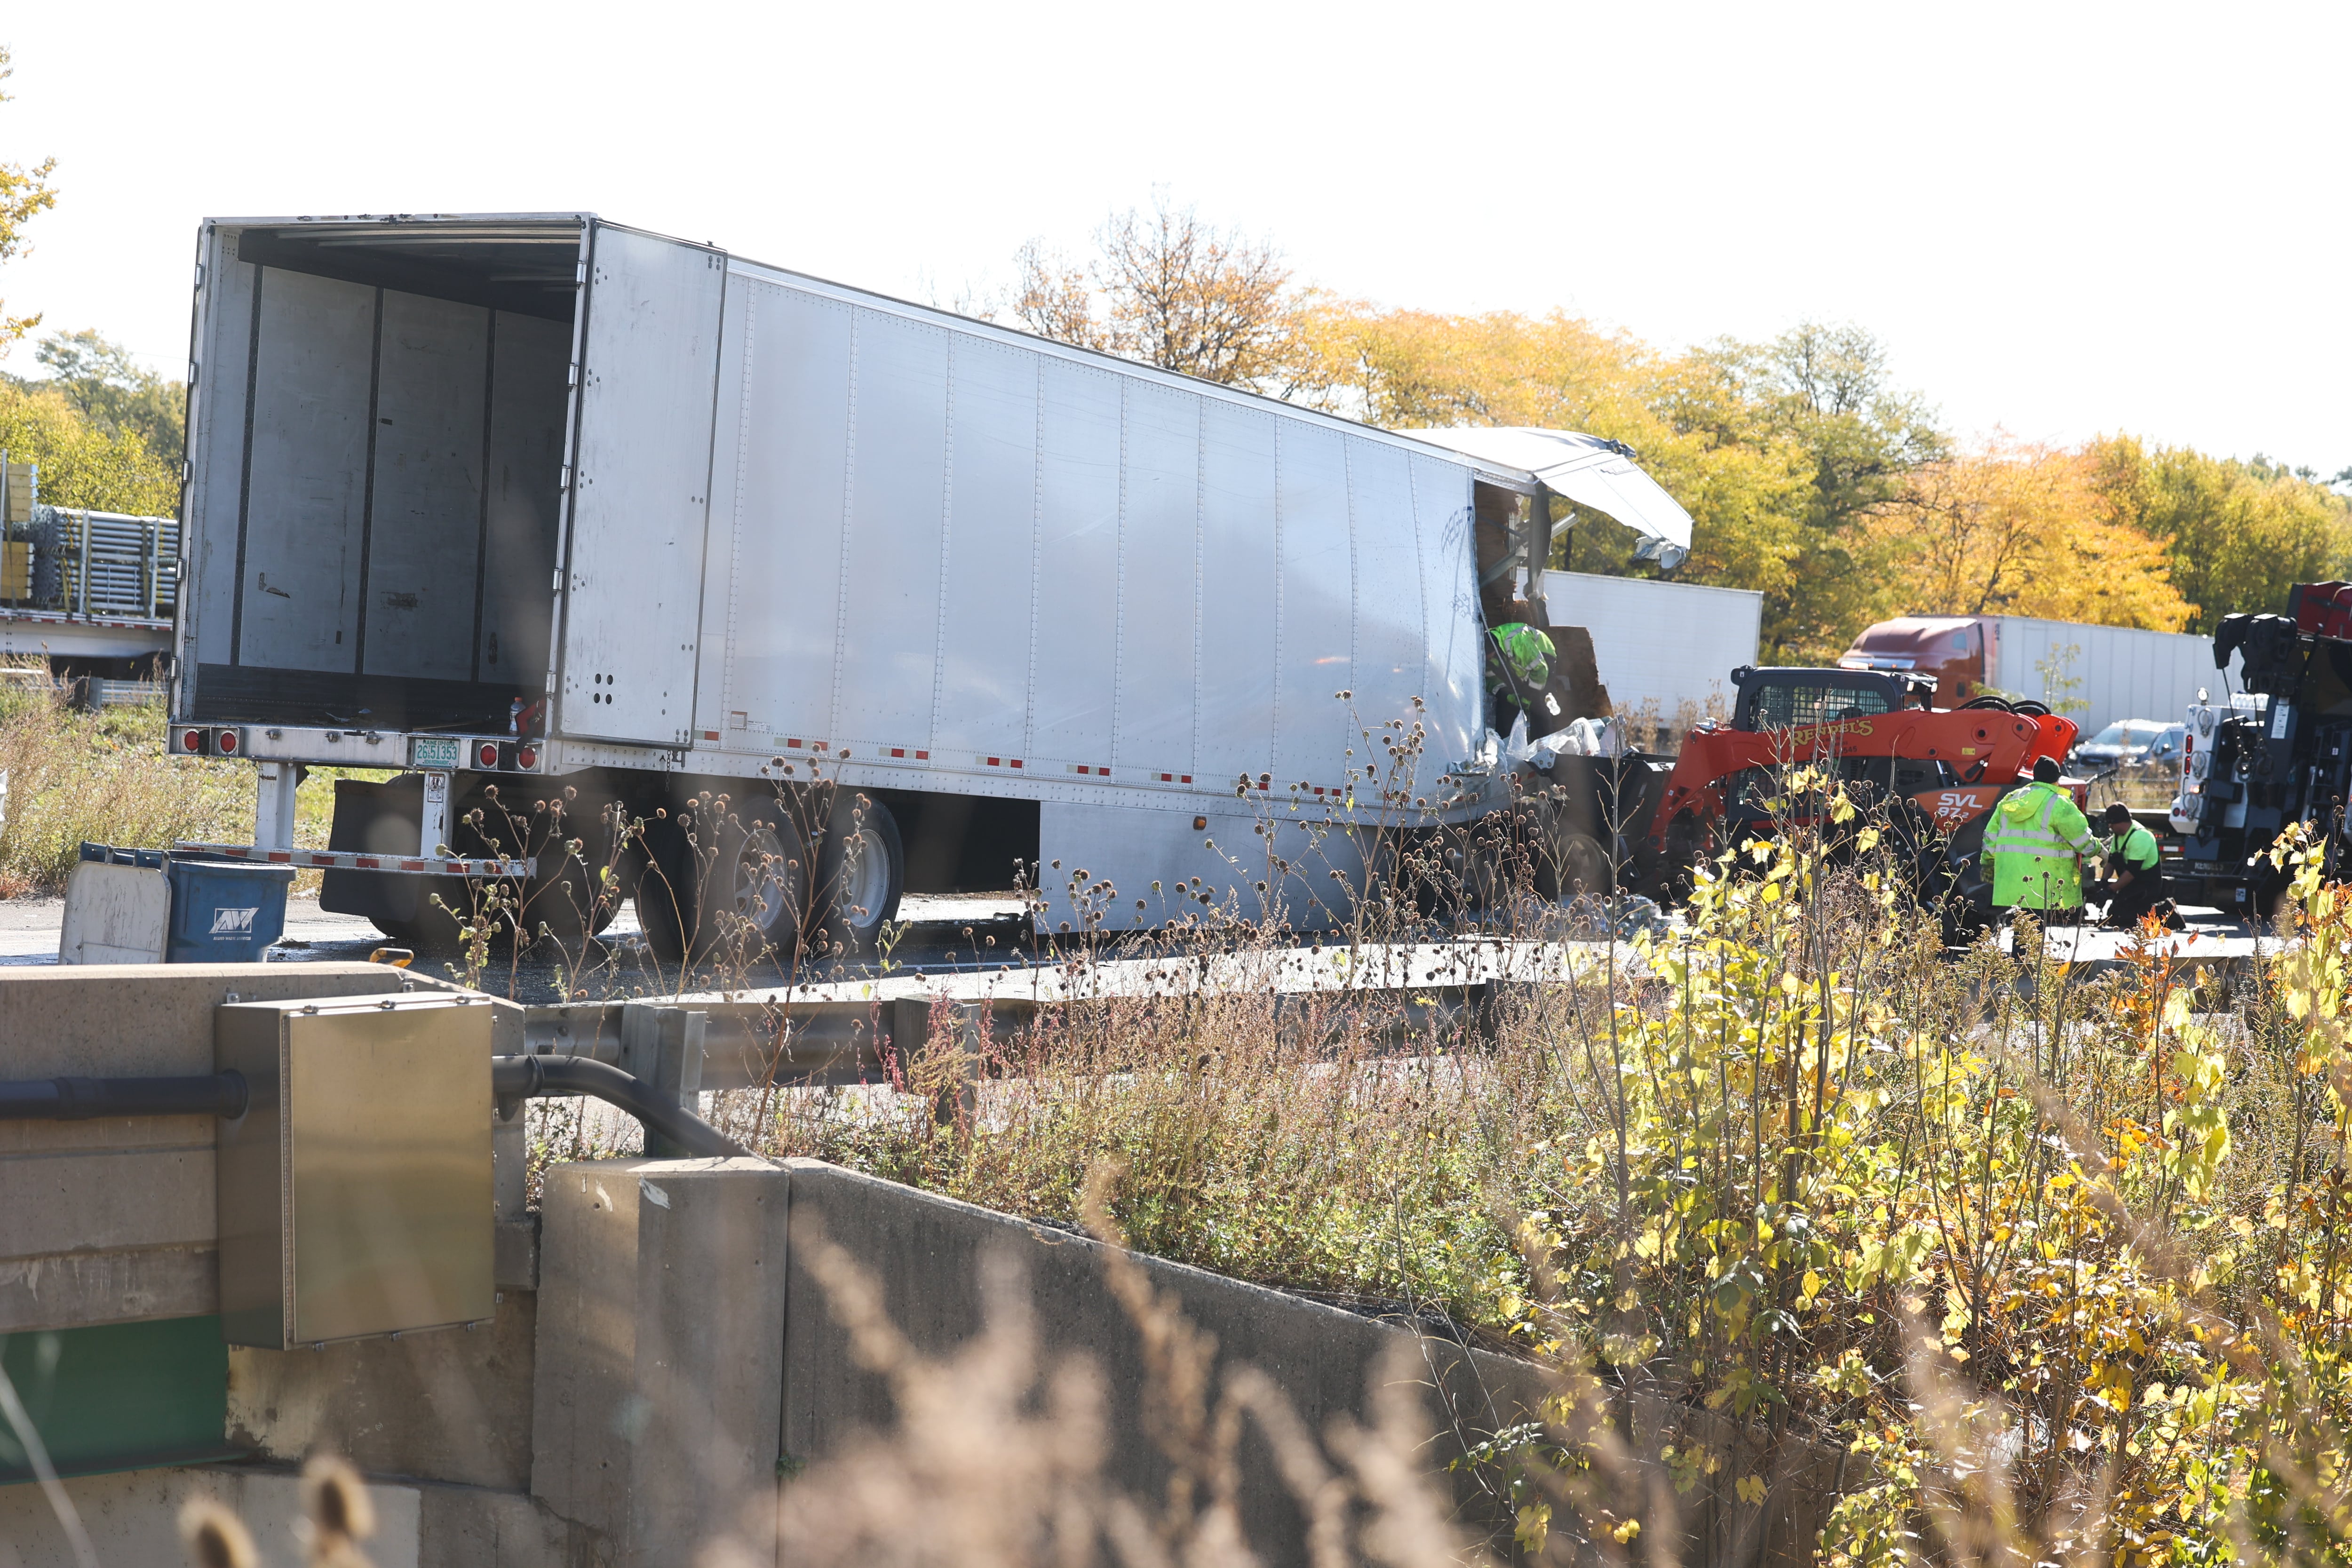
224,912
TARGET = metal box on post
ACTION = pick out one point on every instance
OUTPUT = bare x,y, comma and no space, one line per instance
354,1193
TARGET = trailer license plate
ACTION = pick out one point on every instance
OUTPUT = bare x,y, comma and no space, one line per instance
432,751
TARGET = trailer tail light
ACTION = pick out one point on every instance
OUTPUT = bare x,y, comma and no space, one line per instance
227,743
526,758
485,756
188,742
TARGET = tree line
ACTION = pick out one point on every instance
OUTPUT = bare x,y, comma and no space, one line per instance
1809,474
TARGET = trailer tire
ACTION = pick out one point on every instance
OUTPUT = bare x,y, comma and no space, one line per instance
761,880
429,929
861,873
1577,865
669,908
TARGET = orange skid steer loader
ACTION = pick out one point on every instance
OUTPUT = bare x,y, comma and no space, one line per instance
1935,773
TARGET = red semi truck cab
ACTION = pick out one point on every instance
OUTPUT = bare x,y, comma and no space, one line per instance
1955,650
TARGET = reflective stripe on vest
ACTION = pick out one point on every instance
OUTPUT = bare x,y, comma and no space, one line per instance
2010,837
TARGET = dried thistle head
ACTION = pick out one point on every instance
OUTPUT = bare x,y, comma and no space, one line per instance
213,1536
341,1512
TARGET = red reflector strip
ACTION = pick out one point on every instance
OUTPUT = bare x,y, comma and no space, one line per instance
922,756
711,734
897,751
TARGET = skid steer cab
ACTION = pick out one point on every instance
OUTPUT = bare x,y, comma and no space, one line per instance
1935,773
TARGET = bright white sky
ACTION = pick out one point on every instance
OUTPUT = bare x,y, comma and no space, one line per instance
2062,219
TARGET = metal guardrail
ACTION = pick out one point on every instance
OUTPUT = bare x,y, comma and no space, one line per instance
800,1040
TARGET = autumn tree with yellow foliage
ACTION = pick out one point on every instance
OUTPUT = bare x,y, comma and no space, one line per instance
2021,528
24,194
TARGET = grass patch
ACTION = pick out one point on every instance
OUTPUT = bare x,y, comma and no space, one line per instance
105,777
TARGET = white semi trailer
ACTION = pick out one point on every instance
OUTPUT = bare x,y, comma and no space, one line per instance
547,503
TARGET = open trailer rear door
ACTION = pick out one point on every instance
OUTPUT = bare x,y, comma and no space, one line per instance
640,487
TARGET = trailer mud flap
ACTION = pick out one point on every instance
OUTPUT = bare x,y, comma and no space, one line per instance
382,819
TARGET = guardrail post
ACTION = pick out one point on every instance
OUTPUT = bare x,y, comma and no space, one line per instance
956,1097
273,805
663,1046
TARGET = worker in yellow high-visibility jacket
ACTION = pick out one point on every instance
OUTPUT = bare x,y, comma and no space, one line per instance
2037,841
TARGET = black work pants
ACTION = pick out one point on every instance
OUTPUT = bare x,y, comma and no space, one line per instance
2133,900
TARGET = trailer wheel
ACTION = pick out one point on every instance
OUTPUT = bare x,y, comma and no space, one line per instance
1577,865
761,880
861,873
429,929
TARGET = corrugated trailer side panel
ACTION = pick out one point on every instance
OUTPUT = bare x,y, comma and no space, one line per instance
1240,611
1391,634
934,541
1317,655
1661,643
988,586
1074,650
885,637
2120,672
780,479
1159,551
1454,682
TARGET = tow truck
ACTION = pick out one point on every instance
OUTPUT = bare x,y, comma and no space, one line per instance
2277,754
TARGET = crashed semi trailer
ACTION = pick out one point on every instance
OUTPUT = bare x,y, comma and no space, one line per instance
544,503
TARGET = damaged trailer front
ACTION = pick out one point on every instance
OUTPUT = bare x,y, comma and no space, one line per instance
546,505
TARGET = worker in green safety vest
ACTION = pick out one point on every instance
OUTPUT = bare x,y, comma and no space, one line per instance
2135,879
2037,841
1519,667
